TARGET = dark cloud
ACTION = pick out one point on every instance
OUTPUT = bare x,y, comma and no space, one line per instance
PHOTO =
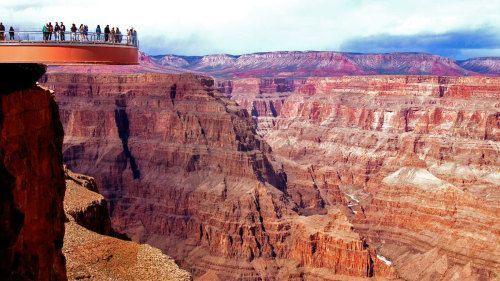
456,44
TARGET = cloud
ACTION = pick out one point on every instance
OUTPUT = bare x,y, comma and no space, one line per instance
162,44
456,44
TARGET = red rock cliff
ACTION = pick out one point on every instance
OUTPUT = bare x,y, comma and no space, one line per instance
184,170
414,158
31,178
91,254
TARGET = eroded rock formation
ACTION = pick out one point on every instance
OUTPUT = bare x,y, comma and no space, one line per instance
93,256
415,159
184,170
31,178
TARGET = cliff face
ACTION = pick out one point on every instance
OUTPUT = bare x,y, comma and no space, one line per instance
91,254
31,178
415,160
84,205
184,170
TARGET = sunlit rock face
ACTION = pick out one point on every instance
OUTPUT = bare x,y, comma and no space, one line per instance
31,178
183,169
91,251
415,159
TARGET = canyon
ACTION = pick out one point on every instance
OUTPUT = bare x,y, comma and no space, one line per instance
415,157
288,178
184,170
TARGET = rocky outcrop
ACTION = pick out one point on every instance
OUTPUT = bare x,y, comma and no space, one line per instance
84,205
93,256
413,158
184,170
31,178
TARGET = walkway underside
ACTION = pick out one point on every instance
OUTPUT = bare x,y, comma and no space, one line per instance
68,54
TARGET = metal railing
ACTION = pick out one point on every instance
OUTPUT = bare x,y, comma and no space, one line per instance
68,38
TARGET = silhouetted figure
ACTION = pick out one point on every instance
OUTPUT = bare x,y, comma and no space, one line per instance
112,35
11,33
80,31
73,32
98,32
86,32
63,32
118,35
50,30
106,33
57,31
2,32
134,37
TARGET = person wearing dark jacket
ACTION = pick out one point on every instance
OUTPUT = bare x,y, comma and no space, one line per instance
57,30
63,31
86,32
73,32
118,35
50,30
106,33
98,32
11,34
2,32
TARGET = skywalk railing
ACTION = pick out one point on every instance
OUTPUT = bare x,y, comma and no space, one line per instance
68,38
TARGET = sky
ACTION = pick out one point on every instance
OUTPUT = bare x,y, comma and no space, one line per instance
457,29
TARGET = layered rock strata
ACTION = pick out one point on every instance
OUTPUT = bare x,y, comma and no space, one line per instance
31,178
184,170
325,64
92,256
414,158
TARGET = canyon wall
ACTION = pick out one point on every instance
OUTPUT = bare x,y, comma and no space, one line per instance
31,178
183,169
92,254
415,159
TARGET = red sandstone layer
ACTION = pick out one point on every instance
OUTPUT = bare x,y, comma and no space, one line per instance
416,160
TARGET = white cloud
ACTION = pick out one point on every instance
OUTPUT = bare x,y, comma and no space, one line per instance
240,26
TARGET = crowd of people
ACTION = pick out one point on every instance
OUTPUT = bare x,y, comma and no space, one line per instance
57,32
81,33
